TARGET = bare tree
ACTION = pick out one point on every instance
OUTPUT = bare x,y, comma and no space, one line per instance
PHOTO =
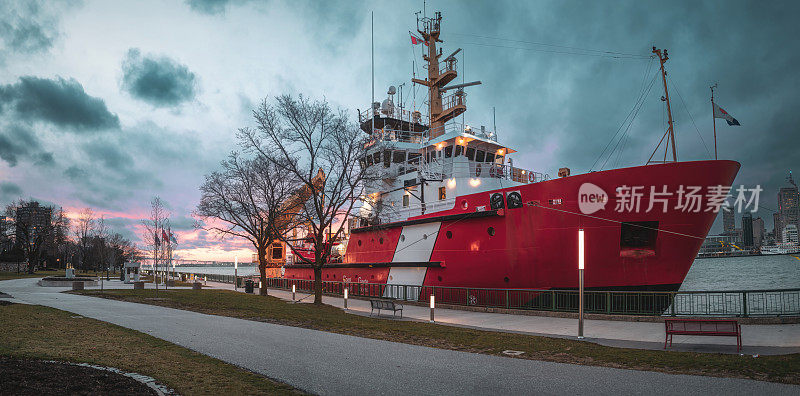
84,228
153,229
307,138
34,229
246,199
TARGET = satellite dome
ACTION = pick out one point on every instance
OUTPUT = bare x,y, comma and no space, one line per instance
392,90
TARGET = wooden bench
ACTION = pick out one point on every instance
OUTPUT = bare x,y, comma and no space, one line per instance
386,305
703,327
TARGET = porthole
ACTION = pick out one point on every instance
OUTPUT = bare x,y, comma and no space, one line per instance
490,231
440,278
402,238
506,279
449,234
359,242
464,204
381,241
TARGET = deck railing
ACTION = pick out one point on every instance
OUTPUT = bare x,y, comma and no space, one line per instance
735,303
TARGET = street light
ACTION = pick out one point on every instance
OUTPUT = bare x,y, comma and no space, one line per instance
293,290
432,307
235,272
581,263
345,299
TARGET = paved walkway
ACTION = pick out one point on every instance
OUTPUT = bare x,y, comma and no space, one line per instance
757,339
329,363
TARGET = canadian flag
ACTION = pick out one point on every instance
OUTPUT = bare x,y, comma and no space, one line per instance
416,40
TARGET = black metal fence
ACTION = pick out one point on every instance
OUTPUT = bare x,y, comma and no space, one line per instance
742,303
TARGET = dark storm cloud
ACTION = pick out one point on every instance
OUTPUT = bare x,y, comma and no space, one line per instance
18,142
210,7
26,26
9,192
160,81
60,102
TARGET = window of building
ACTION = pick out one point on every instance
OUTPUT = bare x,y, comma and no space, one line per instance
399,157
369,160
489,157
471,153
480,155
406,200
387,158
498,159
459,150
277,252
442,193
448,151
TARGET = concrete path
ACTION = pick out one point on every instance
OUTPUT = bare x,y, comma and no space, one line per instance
328,363
757,339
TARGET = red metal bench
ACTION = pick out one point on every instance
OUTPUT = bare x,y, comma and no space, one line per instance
703,327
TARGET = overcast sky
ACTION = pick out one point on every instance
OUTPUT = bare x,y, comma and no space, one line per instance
105,104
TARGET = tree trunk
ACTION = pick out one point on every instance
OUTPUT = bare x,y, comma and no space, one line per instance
262,269
317,285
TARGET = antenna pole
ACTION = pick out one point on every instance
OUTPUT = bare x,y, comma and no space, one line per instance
663,57
494,123
372,110
713,120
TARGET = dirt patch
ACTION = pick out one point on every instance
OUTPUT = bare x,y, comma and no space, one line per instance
37,377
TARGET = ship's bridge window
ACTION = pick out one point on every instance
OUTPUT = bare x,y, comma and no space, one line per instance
448,151
413,158
489,157
459,150
399,157
480,155
471,153
442,193
387,158
376,157
363,162
369,160
498,159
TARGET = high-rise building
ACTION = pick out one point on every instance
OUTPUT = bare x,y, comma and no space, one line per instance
777,230
759,233
31,219
747,230
728,221
790,235
789,204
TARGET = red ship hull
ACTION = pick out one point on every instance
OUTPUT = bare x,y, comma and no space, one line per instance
535,246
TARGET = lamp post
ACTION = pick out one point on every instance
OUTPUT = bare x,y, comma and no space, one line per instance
293,290
432,306
581,262
235,272
345,299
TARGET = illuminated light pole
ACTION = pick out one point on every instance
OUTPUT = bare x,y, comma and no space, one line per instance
293,290
581,263
433,305
345,299
235,272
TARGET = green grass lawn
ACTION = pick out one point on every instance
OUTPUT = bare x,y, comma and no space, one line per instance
33,331
785,368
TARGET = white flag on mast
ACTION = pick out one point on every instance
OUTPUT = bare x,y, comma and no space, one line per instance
720,113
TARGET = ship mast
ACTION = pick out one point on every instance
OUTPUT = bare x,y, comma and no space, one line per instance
662,58
440,109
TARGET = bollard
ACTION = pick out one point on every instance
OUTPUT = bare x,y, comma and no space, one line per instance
345,299
432,306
